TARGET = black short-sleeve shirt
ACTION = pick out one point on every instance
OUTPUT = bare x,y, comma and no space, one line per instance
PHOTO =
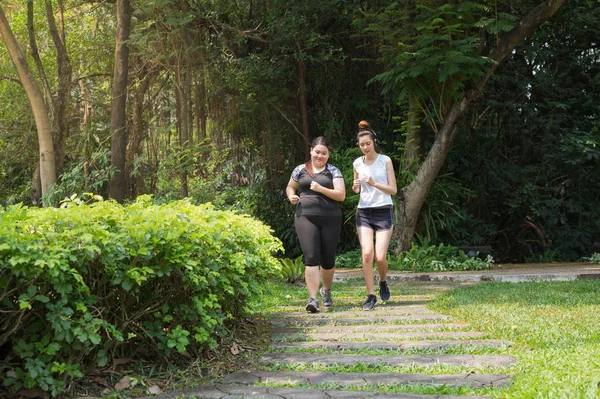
312,203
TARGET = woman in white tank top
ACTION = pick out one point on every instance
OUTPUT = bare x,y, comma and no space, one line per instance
375,180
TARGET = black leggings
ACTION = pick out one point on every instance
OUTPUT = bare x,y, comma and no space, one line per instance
319,236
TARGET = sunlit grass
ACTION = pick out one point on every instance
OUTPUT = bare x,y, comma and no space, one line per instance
555,327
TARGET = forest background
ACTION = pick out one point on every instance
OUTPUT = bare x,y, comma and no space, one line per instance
218,101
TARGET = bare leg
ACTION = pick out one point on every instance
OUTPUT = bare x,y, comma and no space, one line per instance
365,236
327,277
313,280
382,242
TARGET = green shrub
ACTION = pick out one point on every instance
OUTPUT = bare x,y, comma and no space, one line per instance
595,258
88,283
351,259
437,258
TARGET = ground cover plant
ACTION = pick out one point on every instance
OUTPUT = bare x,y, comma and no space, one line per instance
594,258
437,258
423,258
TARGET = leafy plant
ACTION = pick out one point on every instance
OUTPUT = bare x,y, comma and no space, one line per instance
87,175
350,259
437,258
548,255
292,269
595,258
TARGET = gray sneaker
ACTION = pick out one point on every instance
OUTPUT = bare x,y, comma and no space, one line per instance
326,295
370,302
313,305
384,291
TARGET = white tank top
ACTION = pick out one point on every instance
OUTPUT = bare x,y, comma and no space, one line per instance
370,197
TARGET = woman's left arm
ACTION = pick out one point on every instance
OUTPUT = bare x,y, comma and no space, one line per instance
337,193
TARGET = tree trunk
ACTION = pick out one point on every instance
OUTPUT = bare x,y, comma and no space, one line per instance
413,155
86,106
201,116
183,97
412,197
413,148
137,134
154,145
118,119
63,96
36,100
201,106
36,186
302,101
35,54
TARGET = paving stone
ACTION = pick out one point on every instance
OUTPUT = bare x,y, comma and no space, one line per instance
378,336
354,303
403,345
391,360
358,312
221,391
370,328
507,273
360,379
320,319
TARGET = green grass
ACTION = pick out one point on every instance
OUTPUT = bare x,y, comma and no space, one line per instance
555,327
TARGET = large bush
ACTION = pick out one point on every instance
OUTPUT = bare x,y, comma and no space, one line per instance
85,284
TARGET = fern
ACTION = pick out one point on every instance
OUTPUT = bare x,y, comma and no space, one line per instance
292,269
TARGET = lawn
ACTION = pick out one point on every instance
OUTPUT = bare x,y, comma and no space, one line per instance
554,325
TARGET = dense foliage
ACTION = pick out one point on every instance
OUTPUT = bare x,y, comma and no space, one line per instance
266,76
88,284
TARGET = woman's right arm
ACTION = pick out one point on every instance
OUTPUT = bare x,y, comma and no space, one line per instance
290,191
356,182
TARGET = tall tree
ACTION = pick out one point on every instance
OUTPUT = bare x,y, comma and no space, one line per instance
36,100
118,117
63,90
137,134
183,81
445,60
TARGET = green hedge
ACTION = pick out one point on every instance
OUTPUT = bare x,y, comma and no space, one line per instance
89,283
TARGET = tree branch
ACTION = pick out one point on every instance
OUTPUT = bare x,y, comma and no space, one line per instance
510,40
15,80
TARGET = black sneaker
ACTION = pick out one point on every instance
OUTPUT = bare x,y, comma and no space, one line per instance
370,302
313,305
326,295
384,291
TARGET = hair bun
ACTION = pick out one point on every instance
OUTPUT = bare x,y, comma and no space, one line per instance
364,125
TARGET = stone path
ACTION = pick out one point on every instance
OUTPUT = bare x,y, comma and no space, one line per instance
346,336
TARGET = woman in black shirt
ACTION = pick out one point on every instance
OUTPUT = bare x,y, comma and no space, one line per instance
318,219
